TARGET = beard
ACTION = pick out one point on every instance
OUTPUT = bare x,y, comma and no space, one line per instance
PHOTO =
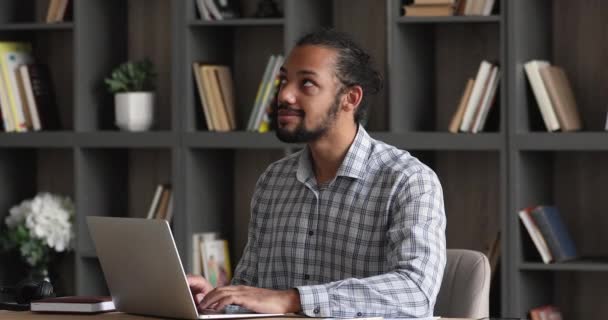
300,134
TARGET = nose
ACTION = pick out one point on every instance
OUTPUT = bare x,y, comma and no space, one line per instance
286,94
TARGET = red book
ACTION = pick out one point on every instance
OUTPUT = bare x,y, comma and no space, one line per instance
79,304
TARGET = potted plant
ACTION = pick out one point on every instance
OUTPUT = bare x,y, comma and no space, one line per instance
132,84
39,229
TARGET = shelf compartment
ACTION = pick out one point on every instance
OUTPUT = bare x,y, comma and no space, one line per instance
218,188
118,182
244,51
427,84
472,188
22,12
53,48
544,32
568,180
133,30
24,172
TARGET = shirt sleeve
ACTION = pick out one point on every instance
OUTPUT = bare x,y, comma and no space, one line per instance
416,255
246,272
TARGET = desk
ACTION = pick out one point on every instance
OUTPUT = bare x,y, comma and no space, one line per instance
15,315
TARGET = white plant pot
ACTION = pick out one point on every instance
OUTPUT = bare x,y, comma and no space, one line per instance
134,110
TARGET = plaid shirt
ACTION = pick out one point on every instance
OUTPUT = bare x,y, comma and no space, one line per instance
369,243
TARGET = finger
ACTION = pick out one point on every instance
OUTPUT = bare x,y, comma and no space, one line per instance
199,297
198,284
213,296
222,303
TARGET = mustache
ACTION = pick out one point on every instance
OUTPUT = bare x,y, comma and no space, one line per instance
283,108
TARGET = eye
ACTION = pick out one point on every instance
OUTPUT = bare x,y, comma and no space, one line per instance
282,81
307,83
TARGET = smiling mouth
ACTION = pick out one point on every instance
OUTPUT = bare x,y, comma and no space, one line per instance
290,113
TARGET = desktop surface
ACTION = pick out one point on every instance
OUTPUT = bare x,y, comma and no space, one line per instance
26,315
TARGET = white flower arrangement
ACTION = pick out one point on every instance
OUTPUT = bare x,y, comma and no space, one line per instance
38,226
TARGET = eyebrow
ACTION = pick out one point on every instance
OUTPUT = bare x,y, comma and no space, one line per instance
301,72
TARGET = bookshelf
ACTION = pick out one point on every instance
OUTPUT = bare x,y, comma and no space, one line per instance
486,177
564,169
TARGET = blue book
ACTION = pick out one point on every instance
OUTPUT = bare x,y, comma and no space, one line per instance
554,231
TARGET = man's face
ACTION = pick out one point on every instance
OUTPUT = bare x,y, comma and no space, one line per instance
309,94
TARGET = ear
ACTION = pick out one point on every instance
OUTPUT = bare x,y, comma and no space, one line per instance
352,98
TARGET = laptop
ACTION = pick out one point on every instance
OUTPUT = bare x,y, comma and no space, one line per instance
143,270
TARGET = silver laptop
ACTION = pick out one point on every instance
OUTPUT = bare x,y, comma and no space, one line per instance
143,270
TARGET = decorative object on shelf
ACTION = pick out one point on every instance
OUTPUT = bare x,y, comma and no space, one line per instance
39,229
268,9
132,84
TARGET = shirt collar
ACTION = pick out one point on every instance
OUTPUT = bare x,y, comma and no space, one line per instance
352,166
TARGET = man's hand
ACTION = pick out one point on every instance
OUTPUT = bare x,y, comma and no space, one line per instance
199,287
255,299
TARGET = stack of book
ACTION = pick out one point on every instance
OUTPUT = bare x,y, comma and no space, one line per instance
216,91
27,100
259,119
554,96
476,100
162,203
442,8
548,233
211,258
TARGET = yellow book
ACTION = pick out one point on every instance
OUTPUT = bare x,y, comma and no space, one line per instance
12,55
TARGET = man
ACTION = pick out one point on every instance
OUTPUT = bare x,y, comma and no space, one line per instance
349,226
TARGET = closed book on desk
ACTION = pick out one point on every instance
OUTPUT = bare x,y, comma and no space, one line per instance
79,304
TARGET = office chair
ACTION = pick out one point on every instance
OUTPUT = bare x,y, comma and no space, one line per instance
465,290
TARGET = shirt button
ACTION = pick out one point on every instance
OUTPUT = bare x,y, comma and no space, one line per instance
306,277
311,233
317,310
359,314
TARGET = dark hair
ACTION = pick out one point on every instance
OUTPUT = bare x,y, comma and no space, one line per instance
354,66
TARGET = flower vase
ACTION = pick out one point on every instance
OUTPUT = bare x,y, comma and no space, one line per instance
39,273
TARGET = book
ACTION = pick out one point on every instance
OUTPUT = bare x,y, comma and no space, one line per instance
155,201
481,82
198,77
197,241
540,92
226,86
487,101
270,87
216,262
439,10
13,54
459,114
558,239
535,234
40,96
80,304
562,97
